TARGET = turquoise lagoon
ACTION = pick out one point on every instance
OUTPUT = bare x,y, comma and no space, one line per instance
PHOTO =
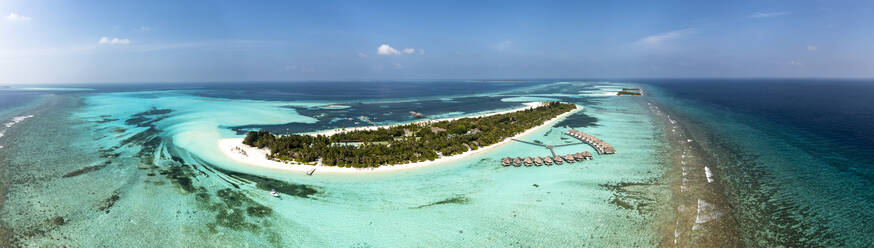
141,165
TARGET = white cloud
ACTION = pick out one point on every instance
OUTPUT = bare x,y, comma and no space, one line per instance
385,49
796,63
768,14
660,38
362,55
811,48
16,17
398,66
504,45
114,41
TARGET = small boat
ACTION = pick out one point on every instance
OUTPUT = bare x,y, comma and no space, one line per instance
311,172
274,193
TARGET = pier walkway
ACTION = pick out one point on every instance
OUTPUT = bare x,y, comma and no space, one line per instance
549,160
599,145
548,146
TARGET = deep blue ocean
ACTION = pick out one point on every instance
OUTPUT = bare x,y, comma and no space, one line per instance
795,156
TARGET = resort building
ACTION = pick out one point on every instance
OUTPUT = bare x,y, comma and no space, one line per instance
547,160
600,146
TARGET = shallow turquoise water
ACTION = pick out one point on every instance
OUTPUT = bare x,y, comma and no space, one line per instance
143,166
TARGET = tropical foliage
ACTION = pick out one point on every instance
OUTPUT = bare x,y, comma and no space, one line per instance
407,143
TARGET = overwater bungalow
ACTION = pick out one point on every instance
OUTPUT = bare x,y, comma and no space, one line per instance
517,161
506,161
587,155
600,146
558,159
547,161
578,156
528,161
538,161
569,158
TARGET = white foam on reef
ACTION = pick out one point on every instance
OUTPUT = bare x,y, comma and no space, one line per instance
706,212
598,93
528,99
708,174
16,120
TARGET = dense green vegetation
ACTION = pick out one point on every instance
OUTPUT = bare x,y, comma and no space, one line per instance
402,144
629,93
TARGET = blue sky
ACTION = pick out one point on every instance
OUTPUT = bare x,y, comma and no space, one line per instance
168,41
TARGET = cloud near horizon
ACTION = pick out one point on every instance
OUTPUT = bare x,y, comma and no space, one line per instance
385,49
15,17
662,37
114,41
768,14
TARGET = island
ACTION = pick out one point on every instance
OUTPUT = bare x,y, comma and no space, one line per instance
404,144
630,92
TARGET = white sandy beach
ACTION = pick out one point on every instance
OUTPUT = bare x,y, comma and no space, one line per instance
234,148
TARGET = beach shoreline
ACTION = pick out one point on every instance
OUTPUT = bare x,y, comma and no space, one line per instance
235,149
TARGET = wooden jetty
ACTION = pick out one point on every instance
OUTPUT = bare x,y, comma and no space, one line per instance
600,146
